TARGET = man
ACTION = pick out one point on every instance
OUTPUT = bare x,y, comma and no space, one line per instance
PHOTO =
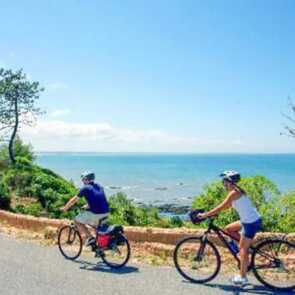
98,207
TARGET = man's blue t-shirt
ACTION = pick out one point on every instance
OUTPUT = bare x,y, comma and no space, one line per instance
95,197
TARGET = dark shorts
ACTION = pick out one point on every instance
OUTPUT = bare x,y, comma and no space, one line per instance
249,230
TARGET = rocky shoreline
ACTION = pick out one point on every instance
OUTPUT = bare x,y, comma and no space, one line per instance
169,208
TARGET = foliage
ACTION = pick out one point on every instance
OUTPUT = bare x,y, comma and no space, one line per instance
25,179
4,197
176,221
24,151
32,209
24,154
287,219
123,211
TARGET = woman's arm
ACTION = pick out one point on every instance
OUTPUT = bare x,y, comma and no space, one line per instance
222,206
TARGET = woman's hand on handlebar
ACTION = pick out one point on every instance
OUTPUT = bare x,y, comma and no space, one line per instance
202,215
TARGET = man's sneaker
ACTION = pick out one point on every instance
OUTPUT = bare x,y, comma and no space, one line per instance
90,241
239,281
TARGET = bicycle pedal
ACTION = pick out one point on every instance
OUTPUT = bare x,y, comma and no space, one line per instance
98,253
93,249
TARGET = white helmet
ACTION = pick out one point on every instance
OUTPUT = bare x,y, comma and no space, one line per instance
88,175
231,176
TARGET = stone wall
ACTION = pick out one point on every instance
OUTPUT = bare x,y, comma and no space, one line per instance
135,234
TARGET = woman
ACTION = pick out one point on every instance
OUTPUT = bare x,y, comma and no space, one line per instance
250,221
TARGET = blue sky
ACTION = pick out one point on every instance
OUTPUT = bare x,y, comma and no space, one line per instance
155,76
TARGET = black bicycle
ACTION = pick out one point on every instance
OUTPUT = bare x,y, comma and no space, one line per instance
272,261
110,244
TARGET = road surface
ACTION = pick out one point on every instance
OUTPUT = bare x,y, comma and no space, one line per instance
30,269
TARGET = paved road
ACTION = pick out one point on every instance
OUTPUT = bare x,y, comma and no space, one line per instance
29,269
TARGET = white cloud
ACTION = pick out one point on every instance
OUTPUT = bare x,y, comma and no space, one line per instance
60,113
57,135
57,86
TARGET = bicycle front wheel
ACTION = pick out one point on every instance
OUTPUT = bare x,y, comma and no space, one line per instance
196,260
70,242
274,264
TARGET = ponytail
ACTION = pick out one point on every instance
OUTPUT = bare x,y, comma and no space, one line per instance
242,191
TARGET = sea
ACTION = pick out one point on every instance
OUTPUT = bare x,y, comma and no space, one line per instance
156,179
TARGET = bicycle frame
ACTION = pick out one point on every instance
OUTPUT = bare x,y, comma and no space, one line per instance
221,234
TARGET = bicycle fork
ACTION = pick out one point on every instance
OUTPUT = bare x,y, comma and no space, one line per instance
200,253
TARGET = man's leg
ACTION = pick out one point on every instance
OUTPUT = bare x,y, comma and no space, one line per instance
81,221
82,228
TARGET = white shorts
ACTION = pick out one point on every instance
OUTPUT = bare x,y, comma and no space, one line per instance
90,218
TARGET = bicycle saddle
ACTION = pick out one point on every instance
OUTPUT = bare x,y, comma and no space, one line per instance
109,229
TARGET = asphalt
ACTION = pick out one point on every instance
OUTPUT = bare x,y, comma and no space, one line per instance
27,268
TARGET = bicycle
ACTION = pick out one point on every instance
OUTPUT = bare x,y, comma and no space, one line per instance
272,261
110,244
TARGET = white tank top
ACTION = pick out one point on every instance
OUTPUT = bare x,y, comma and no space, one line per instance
245,209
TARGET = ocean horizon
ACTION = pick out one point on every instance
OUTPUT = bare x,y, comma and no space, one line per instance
161,178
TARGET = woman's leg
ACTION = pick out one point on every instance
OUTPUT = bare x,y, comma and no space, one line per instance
233,230
245,243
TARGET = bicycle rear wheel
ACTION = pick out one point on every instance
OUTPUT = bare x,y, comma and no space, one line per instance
274,264
196,260
70,242
117,254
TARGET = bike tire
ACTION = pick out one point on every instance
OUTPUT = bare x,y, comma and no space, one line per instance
260,253
118,241
73,235
208,245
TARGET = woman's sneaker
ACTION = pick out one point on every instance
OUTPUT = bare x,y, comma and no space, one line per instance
239,281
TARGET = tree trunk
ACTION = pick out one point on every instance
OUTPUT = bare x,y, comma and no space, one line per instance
11,141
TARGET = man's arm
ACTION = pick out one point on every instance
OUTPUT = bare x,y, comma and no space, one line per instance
70,203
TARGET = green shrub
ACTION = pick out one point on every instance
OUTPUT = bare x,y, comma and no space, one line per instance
287,219
176,221
32,209
4,197
124,211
